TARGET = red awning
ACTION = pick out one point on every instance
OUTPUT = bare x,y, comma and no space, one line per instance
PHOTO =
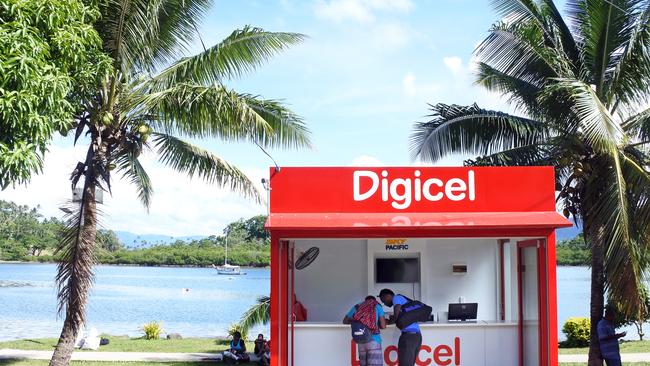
436,220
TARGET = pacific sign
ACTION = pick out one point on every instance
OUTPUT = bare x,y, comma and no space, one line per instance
396,244
402,191
441,355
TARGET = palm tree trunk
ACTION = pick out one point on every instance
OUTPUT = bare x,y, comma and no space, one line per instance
597,298
76,302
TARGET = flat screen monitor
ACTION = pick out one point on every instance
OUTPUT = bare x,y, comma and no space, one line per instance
397,270
463,311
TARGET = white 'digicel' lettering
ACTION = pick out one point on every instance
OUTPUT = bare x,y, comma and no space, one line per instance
402,191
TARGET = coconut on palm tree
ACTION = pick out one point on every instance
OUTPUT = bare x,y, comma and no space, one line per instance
150,102
580,89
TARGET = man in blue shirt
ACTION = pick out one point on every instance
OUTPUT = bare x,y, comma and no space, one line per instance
370,354
608,338
410,340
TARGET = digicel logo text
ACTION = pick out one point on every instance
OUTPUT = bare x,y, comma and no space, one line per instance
402,191
442,355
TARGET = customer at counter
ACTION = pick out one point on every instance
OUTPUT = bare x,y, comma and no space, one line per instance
370,315
410,340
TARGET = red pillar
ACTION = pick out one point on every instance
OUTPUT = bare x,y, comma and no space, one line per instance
279,310
552,299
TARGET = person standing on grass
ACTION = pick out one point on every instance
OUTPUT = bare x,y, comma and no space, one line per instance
410,340
371,315
608,338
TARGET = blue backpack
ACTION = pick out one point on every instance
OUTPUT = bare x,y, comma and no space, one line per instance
360,333
413,312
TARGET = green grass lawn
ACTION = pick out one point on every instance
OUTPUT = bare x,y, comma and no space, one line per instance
626,347
126,344
624,364
93,363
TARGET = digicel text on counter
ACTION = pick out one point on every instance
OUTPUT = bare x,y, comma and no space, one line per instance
402,191
441,355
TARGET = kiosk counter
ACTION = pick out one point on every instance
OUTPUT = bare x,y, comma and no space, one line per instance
477,236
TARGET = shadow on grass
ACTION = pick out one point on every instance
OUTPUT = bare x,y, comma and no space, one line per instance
38,342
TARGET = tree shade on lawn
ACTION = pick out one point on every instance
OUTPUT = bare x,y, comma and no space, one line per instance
581,90
138,109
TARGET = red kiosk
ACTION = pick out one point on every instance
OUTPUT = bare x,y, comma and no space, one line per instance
482,236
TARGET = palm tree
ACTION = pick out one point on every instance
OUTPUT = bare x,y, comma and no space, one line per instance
138,108
578,89
259,313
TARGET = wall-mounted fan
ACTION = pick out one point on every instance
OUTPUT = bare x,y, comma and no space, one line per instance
306,258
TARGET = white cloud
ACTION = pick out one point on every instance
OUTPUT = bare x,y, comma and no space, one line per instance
454,64
408,83
181,206
362,11
391,35
412,88
366,160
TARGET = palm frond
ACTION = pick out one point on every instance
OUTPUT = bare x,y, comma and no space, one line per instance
141,34
610,216
569,45
630,80
289,129
528,155
600,129
192,160
470,129
240,53
257,314
129,166
517,10
604,27
75,253
521,93
638,125
214,111
518,50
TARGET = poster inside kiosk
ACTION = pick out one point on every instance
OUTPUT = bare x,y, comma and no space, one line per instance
480,237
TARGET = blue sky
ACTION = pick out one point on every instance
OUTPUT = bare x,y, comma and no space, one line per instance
360,81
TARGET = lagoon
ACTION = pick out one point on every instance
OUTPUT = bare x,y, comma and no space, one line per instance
124,298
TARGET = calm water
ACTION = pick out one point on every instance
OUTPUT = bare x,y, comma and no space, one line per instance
126,297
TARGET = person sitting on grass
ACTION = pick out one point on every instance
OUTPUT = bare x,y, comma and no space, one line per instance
237,352
261,350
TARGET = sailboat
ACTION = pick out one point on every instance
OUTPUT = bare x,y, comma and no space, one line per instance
228,269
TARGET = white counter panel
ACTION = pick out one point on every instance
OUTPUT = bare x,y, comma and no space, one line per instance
468,344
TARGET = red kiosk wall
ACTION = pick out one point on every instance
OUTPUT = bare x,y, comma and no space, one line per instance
279,305
552,298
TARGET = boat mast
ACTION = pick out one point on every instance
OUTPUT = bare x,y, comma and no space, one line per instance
226,261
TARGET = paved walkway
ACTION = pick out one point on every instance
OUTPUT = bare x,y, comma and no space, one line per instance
203,357
112,356
627,357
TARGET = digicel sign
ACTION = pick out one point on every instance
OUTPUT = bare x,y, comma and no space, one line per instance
441,355
410,189
401,192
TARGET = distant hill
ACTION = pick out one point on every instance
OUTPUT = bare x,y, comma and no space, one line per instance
131,240
568,233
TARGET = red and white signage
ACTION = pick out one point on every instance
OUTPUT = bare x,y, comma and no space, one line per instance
404,189
439,355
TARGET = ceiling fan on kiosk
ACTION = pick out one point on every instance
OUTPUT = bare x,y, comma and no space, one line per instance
306,258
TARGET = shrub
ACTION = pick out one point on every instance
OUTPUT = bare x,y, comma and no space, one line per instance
152,330
577,332
238,328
